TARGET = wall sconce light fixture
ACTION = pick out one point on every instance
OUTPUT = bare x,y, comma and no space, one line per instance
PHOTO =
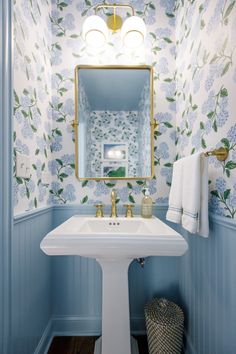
95,30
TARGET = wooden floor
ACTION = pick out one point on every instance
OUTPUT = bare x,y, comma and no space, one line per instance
85,345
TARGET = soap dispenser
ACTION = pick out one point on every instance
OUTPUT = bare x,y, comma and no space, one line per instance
146,205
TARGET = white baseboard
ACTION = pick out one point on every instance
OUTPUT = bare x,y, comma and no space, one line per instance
45,341
89,326
76,325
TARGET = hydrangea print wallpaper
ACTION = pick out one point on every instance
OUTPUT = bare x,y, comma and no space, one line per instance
65,49
190,44
205,91
33,131
120,126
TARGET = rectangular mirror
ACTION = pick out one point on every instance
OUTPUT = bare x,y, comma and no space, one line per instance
114,125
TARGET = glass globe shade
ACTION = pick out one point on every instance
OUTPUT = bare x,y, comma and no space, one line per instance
95,31
118,154
133,32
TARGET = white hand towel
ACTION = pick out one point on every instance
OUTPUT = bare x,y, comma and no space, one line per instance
203,228
195,194
174,212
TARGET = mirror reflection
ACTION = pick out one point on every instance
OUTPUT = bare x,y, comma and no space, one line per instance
114,112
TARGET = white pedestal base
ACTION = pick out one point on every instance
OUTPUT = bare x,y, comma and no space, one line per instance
134,346
115,308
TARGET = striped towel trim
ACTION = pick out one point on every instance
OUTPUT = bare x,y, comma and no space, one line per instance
191,215
171,207
184,211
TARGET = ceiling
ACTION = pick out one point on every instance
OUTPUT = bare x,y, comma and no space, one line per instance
113,89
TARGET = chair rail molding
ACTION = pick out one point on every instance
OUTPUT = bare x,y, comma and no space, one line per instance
6,210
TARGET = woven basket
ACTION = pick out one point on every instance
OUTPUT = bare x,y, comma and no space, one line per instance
165,325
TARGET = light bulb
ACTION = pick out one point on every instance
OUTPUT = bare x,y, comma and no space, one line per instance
118,154
95,31
133,32
110,153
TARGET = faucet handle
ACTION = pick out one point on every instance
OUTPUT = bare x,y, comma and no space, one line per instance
99,210
129,211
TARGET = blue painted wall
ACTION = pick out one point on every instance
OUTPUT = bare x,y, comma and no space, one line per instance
31,283
5,170
208,290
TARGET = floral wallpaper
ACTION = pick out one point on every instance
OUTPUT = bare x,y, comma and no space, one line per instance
205,91
144,131
115,126
33,131
48,46
69,50
84,110
190,44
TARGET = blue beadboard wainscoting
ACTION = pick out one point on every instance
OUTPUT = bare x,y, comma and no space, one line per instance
31,284
6,207
62,295
208,289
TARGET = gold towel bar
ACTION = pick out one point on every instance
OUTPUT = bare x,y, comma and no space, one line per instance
221,153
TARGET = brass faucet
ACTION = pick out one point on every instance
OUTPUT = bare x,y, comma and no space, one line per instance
113,204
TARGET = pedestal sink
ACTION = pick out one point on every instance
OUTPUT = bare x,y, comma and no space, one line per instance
114,243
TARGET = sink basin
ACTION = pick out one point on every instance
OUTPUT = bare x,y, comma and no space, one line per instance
114,243
121,237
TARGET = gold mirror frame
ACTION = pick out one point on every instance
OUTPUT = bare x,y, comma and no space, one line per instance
75,123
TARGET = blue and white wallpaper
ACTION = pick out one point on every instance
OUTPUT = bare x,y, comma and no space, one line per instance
191,45
63,48
144,129
159,50
205,91
115,126
33,130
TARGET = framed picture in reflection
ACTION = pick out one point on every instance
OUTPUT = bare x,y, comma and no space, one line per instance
114,169
114,151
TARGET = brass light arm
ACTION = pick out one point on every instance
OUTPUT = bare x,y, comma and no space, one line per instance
115,6
114,22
